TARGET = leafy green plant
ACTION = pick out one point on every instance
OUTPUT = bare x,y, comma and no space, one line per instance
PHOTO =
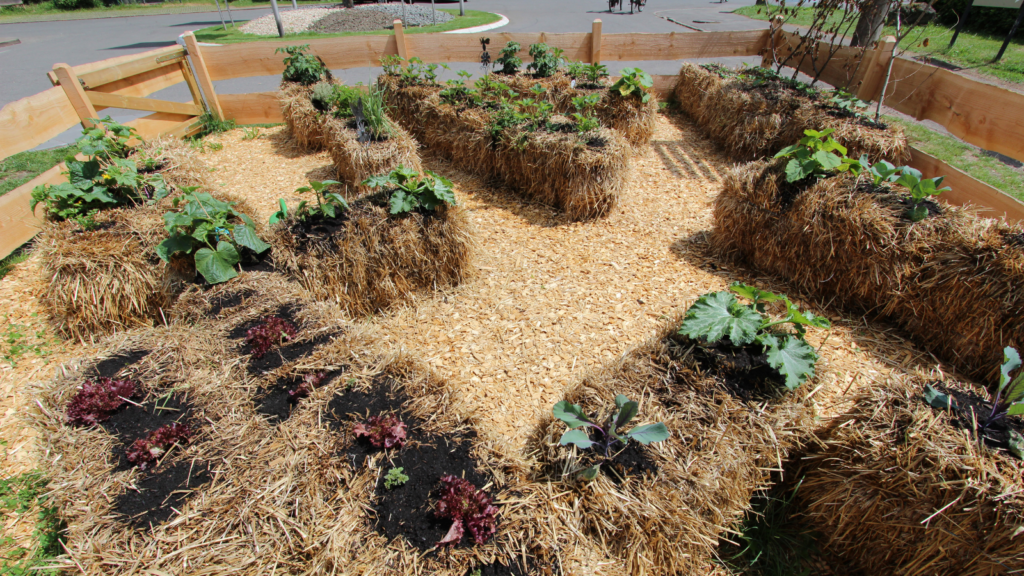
843,100
328,204
546,60
250,133
410,190
392,64
107,139
634,81
920,189
211,231
322,96
457,90
370,110
607,433
584,115
395,478
211,124
719,315
300,67
881,171
508,60
818,155
587,75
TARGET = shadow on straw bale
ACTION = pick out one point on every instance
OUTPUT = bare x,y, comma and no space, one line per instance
898,489
356,162
372,260
749,123
720,452
582,177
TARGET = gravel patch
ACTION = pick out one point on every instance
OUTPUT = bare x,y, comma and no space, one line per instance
415,15
294,21
352,21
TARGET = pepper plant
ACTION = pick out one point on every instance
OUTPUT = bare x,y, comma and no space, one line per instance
719,315
211,231
634,81
606,433
546,60
328,204
818,155
410,190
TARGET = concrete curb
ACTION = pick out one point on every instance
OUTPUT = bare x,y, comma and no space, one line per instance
5,42
483,28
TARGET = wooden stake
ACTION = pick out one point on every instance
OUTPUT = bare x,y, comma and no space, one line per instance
595,42
76,94
203,75
874,76
403,51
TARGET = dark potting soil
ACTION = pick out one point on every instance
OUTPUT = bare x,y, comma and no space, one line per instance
971,408
290,352
514,567
632,461
845,114
161,492
743,369
277,404
111,367
406,510
790,191
132,422
903,202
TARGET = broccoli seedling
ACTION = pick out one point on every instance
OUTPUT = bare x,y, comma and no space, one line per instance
143,452
97,401
607,432
272,330
382,431
468,509
395,478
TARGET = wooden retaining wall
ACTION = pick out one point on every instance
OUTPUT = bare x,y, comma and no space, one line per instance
985,115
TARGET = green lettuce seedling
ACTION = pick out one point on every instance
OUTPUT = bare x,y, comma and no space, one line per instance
607,432
395,478
720,315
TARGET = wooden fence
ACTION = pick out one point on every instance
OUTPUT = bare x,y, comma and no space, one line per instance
981,114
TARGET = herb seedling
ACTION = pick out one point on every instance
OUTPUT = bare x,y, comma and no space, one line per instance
410,190
508,60
634,81
395,478
816,155
720,315
300,67
210,230
468,509
271,331
144,452
607,432
97,401
328,204
920,189
382,431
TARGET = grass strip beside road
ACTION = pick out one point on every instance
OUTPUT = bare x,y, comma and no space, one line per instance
20,168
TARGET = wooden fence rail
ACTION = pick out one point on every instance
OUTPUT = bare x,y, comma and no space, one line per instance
984,115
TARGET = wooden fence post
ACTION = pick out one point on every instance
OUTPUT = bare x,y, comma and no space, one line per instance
76,94
203,75
403,51
595,42
874,76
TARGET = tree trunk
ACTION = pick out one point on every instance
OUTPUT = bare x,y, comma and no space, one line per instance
872,18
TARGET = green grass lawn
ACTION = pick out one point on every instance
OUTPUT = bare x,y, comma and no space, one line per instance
20,168
972,50
217,34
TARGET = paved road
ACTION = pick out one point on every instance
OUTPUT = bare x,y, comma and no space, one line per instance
77,42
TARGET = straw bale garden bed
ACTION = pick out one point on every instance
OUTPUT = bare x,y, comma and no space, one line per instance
442,366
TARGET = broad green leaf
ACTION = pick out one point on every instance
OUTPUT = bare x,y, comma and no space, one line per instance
171,245
796,316
98,194
827,160
620,401
718,315
217,266
246,236
1016,444
402,202
589,474
328,209
1011,362
571,414
577,438
82,174
797,170
788,150
203,232
937,399
280,214
753,294
791,356
626,413
917,213
648,433
1015,409
337,199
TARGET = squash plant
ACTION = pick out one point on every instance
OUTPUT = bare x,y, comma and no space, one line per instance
634,81
818,155
719,315
328,204
212,232
410,190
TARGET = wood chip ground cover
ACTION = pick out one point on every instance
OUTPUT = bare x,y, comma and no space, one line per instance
550,299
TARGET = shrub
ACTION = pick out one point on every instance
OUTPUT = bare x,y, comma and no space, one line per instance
97,401
467,508
211,230
719,315
72,4
300,67
144,452
411,191
382,431
607,432
269,332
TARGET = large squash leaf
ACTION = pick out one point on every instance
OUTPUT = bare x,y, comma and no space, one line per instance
719,315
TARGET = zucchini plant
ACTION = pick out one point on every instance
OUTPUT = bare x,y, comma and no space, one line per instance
818,155
634,81
585,433
719,315
328,204
920,189
306,69
212,232
410,190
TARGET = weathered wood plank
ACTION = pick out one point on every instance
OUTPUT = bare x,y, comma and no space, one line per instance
144,63
259,59
203,74
253,108
31,121
117,60
677,46
967,190
75,94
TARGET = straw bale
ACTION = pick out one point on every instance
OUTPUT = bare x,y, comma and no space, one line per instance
375,260
899,490
557,169
750,124
721,451
177,162
304,121
356,162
